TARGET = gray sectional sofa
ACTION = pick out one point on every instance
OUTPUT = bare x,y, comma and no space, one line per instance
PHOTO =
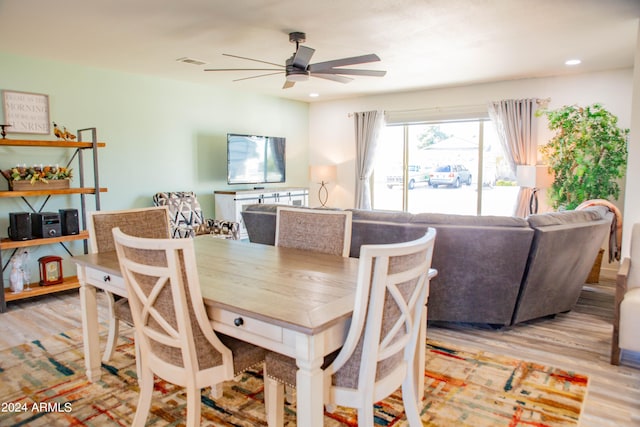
491,270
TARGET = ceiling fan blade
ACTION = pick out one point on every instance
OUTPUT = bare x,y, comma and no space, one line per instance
251,59
288,84
260,75
334,77
343,62
352,72
302,57
243,69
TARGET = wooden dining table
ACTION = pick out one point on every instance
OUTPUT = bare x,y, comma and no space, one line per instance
295,302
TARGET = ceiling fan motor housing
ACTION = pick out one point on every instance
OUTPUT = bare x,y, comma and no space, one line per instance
294,74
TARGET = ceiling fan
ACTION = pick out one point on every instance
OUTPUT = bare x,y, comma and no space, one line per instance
298,69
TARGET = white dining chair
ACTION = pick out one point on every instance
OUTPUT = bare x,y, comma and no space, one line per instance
176,340
379,354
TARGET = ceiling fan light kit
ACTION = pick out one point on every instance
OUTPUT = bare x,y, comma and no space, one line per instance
297,68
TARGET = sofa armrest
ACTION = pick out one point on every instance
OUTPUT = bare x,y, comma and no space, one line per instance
621,290
622,276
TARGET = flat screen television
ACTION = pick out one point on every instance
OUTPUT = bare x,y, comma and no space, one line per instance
255,159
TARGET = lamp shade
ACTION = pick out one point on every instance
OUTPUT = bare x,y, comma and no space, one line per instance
323,173
526,176
533,176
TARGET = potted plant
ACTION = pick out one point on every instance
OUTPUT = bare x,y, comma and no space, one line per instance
587,155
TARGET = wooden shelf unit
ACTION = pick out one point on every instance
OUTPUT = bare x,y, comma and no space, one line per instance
70,282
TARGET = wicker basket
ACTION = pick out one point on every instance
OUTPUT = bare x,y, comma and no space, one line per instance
594,275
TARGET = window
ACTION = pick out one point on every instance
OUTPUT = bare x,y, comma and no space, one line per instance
445,167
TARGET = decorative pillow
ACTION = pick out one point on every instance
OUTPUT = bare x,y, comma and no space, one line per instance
224,229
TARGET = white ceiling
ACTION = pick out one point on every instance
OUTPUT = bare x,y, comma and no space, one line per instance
422,43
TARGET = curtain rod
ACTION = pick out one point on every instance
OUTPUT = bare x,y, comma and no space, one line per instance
474,107
454,107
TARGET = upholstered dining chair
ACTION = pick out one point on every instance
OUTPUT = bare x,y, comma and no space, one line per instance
177,342
627,301
319,230
379,354
144,222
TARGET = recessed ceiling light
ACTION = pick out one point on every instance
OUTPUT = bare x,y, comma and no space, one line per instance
314,95
572,62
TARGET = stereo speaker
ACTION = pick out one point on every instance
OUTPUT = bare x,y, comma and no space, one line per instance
20,226
69,221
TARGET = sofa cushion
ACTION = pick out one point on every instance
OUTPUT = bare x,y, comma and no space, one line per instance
469,220
567,217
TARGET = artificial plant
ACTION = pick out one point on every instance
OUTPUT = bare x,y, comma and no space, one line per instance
587,155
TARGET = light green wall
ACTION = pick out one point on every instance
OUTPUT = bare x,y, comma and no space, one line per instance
161,135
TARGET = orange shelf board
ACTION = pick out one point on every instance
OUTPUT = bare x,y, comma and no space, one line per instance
33,193
7,243
43,143
37,290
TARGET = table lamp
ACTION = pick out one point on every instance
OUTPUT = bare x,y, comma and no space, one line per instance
535,177
323,174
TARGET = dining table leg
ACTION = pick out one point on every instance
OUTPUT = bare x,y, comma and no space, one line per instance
89,304
310,380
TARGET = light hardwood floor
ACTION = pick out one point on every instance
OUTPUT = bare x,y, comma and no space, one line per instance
579,340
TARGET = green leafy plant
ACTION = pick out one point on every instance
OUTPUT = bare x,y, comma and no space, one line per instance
587,155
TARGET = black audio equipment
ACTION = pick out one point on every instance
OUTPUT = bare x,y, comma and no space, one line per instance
19,226
69,221
46,224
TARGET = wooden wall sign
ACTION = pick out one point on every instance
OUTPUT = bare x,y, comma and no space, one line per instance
26,112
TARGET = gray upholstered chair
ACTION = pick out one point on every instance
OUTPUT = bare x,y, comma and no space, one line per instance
384,338
184,210
177,342
187,219
145,222
222,229
627,302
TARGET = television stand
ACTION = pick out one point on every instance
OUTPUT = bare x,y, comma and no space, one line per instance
229,204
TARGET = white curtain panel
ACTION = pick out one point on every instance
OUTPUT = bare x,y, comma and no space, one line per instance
368,125
514,119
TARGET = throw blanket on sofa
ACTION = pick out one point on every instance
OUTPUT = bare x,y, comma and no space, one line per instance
615,235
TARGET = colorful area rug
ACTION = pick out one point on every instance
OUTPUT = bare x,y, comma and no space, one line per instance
43,384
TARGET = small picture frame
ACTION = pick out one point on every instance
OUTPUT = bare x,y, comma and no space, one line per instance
26,112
